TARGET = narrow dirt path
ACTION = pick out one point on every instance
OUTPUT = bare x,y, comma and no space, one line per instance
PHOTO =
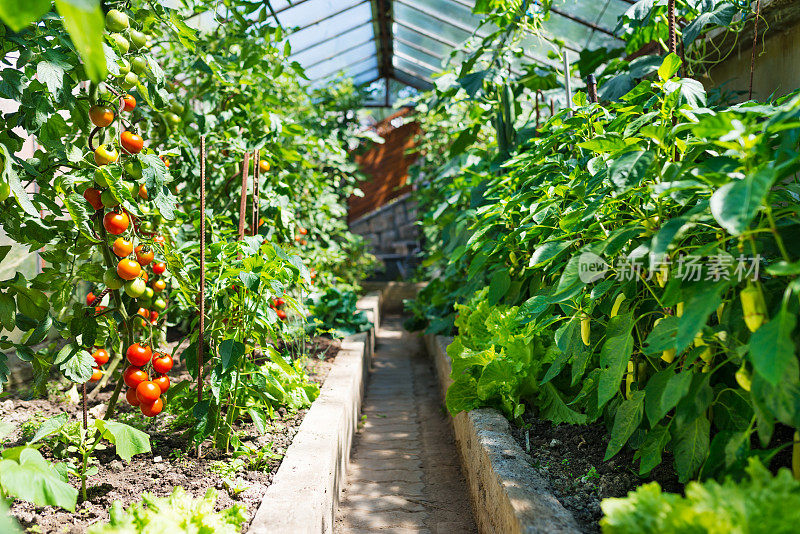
404,475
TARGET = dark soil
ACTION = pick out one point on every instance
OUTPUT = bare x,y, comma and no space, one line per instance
172,461
570,458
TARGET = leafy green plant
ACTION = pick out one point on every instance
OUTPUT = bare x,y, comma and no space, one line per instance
335,312
675,196
26,474
76,443
179,512
759,503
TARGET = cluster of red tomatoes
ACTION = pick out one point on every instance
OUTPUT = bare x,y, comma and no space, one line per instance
277,305
146,378
299,237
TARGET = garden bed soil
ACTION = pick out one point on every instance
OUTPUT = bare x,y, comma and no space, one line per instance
172,461
570,458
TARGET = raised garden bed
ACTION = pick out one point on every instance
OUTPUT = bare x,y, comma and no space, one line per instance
172,461
538,477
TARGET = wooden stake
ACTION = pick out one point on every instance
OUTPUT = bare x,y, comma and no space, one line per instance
201,337
243,202
256,173
672,42
753,53
591,86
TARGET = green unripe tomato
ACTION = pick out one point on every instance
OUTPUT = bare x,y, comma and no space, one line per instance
132,169
124,67
138,39
5,191
132,188
172,118
122,44
159,304
135,288
112,280
108,199
138,64
130,81
176,107
100,179
117,21
148,293
146,226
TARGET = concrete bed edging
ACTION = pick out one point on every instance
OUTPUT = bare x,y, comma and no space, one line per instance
507,494
304,494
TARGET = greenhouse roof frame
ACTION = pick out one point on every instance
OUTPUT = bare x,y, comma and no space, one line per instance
409,40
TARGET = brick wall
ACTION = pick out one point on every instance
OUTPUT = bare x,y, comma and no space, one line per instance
385,165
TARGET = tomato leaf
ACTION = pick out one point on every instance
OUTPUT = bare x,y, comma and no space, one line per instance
735,204
34,479
75,363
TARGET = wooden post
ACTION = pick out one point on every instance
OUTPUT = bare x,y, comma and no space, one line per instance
591,88
753,53
243,202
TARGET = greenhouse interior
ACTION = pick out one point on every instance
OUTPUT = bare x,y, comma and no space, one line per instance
399,266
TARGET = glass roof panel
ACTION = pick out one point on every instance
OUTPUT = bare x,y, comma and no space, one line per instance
277,5
424,23
364,51
366,77
349,70
329,27
404,50
335,46
413,67
412,80
314,10
410,37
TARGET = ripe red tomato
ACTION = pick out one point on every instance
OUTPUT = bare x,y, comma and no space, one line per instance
131,142
143,192
100,356
281,315
148,392
99,309
128,269
131,397
144,313
92,196
165,160
122,247
144,255
101,115
130,102
159,286
90,298
297,238
162,382
153,317
145,276
133,376
158,239
152,409
138,355
97,374
303,242
278,302
303,231
159,267
116,223
162,363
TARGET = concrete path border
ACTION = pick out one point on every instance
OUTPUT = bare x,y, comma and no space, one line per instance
304,494
507,494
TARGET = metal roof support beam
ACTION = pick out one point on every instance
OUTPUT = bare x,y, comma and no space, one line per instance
335,36
354,76
383,32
